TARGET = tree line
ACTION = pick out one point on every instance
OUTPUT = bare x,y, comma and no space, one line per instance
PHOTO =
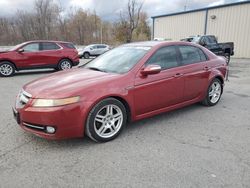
49,21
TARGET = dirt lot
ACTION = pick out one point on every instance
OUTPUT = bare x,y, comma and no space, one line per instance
193,147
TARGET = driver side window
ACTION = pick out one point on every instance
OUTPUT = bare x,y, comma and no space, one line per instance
33,47
165,57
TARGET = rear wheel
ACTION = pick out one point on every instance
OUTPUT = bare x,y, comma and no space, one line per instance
227,56
6,69
106,120
213,93
64,64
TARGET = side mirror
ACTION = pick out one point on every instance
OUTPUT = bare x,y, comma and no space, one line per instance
20,50
151,69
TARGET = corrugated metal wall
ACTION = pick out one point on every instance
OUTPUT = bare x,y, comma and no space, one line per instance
179,26
232,24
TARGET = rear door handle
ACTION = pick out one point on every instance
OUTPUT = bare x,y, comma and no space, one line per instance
177,75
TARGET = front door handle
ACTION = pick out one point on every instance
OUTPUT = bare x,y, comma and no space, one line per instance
177,75
207,68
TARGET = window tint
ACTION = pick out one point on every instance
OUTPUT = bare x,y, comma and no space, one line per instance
33,47
49,46
190,54
69,45
202,55
101,46
165,57
205,40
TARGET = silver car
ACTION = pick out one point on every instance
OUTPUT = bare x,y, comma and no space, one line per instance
93,50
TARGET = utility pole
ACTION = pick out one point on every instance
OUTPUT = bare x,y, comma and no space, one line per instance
101,31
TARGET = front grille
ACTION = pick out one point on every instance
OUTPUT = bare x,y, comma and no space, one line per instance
34,127
22,99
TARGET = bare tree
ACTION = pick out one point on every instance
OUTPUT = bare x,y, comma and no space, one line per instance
47,13
132,24
49,21
134,8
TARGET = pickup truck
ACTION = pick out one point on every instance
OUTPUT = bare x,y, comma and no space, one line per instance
210,42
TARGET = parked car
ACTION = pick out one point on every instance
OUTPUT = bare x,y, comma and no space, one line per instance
210,42
129,83
188,39
38,54
93,50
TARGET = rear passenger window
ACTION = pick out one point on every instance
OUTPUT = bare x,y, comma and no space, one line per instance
49,46
190,55
101,46
202,55
166,57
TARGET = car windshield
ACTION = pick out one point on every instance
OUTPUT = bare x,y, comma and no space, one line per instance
119,60
196,39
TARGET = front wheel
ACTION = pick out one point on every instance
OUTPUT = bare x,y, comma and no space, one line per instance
106,120
213,93
6,69
86,55
64,64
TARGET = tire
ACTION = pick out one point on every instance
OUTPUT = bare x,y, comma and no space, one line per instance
86,55
6,69
214,92
227,56
64,64
106,120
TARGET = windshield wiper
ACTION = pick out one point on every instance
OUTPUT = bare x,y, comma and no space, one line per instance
96,69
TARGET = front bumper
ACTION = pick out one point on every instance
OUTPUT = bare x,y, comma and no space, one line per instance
67,120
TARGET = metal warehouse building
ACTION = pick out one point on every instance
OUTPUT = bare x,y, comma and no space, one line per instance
229,23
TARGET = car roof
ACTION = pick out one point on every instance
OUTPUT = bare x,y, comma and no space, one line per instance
144,43
47,41
97,44
156,43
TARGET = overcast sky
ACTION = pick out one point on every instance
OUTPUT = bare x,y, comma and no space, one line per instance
109,9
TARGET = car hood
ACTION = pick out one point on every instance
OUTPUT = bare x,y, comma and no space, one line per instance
66,83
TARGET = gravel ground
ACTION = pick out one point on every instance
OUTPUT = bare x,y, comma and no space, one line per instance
195,146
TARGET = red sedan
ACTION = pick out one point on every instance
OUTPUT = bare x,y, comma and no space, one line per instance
131,82
38,54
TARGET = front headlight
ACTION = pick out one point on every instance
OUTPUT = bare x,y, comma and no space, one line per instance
55,102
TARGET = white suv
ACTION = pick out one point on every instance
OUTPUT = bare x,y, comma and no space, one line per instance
93,50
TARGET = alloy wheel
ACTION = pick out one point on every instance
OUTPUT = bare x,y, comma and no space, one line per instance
108,121
215,92
86,55
6,69
227,58
65,65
